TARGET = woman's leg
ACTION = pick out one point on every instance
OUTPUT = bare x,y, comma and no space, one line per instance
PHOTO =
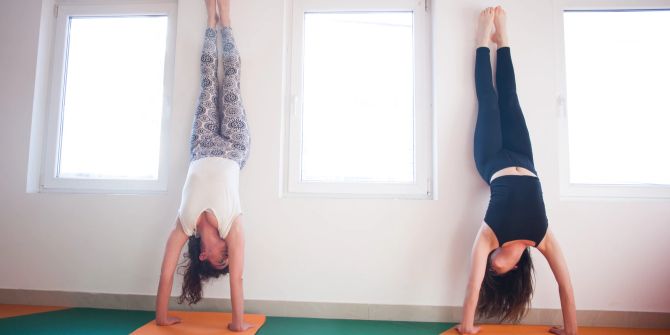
206,122
514,130
234,126
488,135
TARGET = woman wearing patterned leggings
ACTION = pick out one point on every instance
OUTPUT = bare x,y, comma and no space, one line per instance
210,214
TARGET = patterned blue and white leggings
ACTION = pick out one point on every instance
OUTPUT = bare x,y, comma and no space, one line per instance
220,126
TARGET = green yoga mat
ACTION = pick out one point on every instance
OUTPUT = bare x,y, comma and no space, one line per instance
77,321
304,326
84,321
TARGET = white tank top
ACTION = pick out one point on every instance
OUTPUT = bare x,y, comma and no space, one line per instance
212,184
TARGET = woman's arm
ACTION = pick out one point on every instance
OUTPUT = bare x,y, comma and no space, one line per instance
235,240
552,252
173,248
480,250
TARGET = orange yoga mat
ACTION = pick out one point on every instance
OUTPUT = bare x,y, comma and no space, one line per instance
201,323
8,311
543,330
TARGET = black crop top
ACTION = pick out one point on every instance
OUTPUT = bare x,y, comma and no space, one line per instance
516,209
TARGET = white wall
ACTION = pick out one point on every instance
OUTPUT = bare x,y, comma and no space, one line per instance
405,252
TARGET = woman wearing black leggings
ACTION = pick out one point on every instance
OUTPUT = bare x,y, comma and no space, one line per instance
501,284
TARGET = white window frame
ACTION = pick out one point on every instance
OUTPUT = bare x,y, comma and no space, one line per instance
63,11
570,190
423,115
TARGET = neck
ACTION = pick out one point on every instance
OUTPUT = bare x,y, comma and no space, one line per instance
207,232
515,247
518,244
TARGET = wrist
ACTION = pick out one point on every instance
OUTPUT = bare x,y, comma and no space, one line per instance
467,324
236,326
238,318
467,320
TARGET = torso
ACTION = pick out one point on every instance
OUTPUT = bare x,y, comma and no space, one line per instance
212,186
512,171
491,236
496,243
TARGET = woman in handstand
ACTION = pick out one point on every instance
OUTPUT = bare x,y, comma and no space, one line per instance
500,283
210,214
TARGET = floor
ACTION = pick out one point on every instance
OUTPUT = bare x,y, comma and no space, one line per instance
16,319
543,330
21,319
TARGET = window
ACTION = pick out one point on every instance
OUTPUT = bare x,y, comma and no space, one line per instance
360,118
617,111
109,99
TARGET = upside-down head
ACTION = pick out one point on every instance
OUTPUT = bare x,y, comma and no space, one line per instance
507,296
198,269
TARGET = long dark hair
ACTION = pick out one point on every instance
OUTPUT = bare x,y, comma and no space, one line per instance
196,272
507,297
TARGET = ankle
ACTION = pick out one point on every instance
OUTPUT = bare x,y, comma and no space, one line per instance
501,40
211,22
225,21
224,12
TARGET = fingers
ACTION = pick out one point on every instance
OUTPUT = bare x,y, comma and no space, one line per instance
463,330
556,330
240,328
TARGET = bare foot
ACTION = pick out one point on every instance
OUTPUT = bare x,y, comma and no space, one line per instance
224,12
500,37
485,28
211,13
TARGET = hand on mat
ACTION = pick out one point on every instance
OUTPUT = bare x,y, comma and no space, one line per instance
240,327
468,330
170,320
560,331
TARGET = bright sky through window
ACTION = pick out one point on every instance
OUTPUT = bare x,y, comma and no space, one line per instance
113,98
617,86
358,108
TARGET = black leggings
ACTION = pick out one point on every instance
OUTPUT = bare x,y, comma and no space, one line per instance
501,136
